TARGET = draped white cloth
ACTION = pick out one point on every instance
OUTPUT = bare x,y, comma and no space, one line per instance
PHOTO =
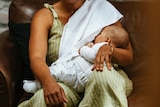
85,24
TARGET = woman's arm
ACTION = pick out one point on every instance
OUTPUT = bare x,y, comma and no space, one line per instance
123,56
40,27
120,56
38,46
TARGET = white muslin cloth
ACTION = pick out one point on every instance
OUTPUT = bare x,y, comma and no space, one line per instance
82,28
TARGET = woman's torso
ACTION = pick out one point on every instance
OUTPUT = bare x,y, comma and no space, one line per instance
54,36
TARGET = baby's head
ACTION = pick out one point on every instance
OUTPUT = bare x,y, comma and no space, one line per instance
114,35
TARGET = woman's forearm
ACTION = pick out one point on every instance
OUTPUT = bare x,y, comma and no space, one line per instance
40,70
122,56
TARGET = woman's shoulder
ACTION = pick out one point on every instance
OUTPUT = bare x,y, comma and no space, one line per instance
43,12
43,15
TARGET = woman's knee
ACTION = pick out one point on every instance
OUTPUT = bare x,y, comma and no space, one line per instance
98,79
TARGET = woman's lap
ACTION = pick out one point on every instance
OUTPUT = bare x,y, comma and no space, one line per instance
103,88
107,88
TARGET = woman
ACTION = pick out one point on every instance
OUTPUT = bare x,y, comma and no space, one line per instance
51,21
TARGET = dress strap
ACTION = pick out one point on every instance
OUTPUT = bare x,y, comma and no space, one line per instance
52,9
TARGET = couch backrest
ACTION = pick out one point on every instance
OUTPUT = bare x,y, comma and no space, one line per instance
136,23
21,11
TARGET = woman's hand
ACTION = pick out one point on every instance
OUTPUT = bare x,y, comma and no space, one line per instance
54,94
103,55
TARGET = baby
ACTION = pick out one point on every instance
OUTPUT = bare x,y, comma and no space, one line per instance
75,72
112,35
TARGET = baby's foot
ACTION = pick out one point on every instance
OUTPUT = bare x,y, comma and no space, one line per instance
30,86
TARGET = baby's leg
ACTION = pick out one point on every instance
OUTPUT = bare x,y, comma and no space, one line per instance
69,74
64,72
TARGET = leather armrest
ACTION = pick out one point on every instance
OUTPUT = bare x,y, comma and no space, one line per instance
10,72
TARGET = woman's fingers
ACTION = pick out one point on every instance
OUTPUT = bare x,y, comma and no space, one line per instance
98,58
55,96
103,56
57,99
47,100
50,100
64,96
61,97
54,100
108,61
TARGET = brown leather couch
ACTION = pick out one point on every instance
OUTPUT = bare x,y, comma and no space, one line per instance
135,22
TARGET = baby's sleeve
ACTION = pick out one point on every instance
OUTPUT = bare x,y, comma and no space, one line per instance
89,53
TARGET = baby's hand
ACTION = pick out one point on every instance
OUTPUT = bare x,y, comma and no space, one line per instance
89,44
